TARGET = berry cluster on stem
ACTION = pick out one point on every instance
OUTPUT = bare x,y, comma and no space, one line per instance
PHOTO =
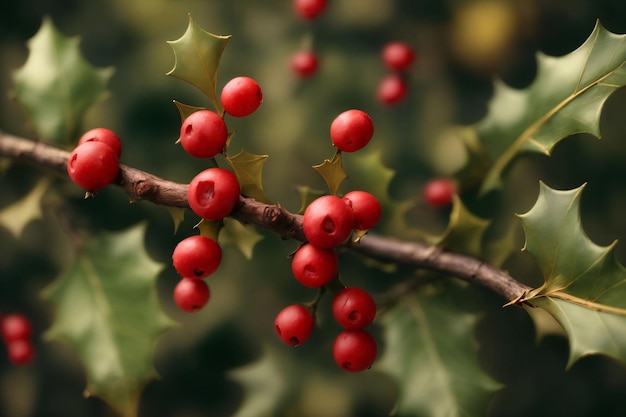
16,333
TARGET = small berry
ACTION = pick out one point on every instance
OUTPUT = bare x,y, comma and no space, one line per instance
351,130
304,63
203,134
15,327
93,165
439,192
353,308
20,352
391,90
309,9
366,209
327,221
197,257
314,267
397,56
213,193
101,134
241,96
191,294
354,350
294,324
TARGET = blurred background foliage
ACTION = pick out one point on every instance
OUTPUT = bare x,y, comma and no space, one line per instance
461,45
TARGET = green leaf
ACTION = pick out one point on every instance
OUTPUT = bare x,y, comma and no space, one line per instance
178,215
198,55
185,109
431,353
249,170
332,172
16,216
585,285
56,85
465,231
307,195
244,237
106,307
566,97
210,228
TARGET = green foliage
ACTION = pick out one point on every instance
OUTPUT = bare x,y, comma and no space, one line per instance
56,85
16,216
106,307
249,170
465,231
332,172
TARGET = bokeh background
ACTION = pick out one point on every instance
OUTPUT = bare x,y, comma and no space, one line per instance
461,45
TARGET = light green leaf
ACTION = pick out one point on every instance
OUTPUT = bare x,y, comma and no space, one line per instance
465,231
178,215
56,85
585,285
210,228
106,307
249,170
566,97
332,172
16,216
198,55
431,353
244,237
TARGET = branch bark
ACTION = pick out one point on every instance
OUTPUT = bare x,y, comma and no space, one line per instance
140,185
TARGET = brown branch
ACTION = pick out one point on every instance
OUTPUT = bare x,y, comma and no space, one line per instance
140,185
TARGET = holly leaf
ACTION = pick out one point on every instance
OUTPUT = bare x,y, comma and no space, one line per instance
185,110
465,231
210,228
584,285
307,195
332,172
19,214
566,97
249,169
431,353
56,85
244,237
197,57
106,307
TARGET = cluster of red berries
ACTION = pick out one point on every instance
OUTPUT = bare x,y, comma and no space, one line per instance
213,193
304,63
16,333
328,222
94,163
397,57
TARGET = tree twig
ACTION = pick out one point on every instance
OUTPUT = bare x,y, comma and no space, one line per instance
140,185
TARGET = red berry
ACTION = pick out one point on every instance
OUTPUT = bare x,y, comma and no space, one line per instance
309,9
20,352
15,327
203,134
303,63
327,221
439,192
191,294
354,350
353,308
314,267
213,193
93,165
366,209
392,89
241,96
197,257
397,56
294,324
351,130
101,134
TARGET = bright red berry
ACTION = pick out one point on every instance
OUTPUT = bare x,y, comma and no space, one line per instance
366,209
327,221
392,89
314,267
309,9
213,193
20,352
197,256
241,96
203,134
397,56
101,134
354,350
439,192
351,130
93,165
353,308
191,294
15,327
294,324
303,63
